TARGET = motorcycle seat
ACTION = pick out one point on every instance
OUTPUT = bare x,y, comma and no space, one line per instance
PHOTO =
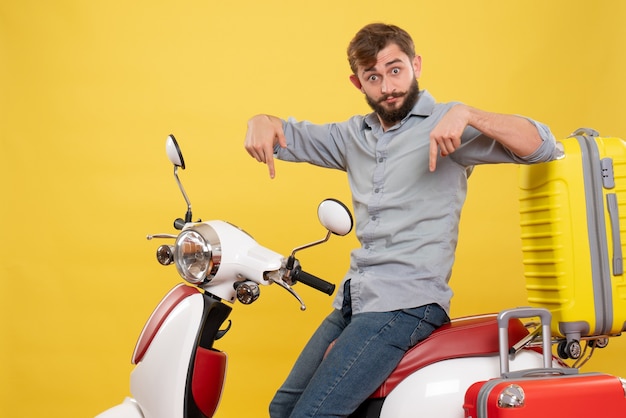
462,337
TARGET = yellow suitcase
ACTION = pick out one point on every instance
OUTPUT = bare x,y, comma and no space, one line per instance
572,214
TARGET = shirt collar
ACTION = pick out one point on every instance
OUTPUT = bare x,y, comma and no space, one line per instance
424,107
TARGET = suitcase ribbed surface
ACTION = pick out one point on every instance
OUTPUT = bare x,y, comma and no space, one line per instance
571,250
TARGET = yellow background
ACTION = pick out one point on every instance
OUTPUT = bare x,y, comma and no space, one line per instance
90,89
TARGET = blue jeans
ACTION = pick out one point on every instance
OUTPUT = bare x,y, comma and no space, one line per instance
368,346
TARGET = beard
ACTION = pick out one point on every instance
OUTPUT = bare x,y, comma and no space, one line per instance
395,115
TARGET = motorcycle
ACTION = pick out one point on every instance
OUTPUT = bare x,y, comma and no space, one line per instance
179,373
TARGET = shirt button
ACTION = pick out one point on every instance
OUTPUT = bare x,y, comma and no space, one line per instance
381,159
374,218
376,190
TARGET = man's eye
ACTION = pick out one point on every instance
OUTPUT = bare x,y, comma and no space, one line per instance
395,71
373,78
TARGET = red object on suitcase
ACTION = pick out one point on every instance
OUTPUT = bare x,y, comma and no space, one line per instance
545,392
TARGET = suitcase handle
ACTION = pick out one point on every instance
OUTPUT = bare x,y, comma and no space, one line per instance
618,264
585,132
503,333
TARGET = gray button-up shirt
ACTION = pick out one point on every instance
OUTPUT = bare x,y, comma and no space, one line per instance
406,216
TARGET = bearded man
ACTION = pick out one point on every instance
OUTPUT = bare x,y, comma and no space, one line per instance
407,164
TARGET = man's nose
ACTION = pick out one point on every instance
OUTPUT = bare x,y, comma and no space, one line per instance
385,86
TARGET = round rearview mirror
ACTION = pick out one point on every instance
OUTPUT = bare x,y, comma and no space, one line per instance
335,217
173,152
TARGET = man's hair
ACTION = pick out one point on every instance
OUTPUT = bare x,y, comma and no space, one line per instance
368,42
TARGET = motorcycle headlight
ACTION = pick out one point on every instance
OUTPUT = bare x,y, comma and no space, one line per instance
195,253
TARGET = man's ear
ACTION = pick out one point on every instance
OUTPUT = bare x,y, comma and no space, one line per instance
417,65
357,83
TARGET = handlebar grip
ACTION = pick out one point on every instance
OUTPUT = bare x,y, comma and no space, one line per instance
315,282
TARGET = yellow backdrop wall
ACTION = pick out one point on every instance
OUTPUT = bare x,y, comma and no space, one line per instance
90,89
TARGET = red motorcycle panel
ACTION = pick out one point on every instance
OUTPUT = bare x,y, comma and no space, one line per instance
209,371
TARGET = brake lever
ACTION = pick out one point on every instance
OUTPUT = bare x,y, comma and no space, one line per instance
279,281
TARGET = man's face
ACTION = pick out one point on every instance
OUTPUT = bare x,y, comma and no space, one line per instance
392,114
390,86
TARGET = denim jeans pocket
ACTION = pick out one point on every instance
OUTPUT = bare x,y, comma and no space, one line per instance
430,317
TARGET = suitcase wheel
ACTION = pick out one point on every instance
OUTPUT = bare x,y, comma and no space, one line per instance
599,343
569,349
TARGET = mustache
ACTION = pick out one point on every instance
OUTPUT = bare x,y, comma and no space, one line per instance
394,95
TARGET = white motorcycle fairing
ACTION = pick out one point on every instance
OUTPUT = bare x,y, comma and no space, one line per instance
177,373
159,379
234,254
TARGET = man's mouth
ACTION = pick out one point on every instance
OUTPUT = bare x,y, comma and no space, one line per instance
391,98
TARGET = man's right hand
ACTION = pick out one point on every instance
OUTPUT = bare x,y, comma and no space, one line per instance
264,132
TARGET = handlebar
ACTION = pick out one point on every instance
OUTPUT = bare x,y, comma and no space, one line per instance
313,281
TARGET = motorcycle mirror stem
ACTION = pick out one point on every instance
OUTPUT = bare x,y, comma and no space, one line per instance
335,217
175,156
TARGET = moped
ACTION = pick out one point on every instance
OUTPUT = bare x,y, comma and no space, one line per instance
179,373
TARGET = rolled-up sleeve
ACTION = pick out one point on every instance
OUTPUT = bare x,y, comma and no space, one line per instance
478,148
548,150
